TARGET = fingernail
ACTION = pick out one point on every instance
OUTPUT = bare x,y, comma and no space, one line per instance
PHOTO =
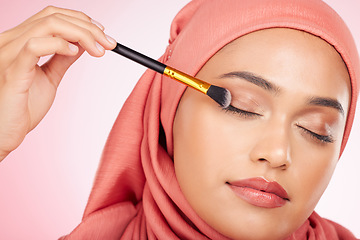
98,24
73,48
99,47
110,39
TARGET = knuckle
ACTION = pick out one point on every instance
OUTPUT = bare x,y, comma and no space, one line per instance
51,20
82,15
50,9
61,44
94,32
56,15
96,29
31,45
85,33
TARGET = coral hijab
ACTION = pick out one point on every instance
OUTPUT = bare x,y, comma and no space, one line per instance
136,194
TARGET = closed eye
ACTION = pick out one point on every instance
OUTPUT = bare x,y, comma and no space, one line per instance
317,137
242,113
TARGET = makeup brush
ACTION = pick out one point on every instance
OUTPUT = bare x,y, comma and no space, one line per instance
220,95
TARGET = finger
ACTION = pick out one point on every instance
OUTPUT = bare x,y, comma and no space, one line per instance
91,39
56,67
93,26
39,47
15,32
49,10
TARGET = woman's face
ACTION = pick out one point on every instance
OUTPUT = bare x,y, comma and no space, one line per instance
257,169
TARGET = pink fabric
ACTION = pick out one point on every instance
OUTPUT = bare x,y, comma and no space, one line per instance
136,194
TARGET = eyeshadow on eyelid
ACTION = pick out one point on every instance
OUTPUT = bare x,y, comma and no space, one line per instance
319,126
248,102
246,98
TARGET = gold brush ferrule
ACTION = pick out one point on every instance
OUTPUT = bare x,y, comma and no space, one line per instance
195,83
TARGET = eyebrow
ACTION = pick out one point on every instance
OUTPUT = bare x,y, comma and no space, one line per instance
252,78
268,86
327,102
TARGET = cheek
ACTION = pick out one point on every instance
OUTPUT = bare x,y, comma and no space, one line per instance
202,158
208,143
311,172
196,147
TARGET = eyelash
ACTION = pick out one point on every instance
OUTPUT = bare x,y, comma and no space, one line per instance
247,114
242,113
318,137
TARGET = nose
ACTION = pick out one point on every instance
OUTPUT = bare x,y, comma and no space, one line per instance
273,146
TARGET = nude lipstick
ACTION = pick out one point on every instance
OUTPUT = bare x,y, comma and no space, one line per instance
260,192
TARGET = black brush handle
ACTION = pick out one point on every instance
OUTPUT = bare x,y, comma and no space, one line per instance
140,58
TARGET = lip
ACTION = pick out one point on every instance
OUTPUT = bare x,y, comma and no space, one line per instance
260,192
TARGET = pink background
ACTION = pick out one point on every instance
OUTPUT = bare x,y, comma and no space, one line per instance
45,183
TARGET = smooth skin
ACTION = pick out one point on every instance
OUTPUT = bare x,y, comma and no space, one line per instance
27,90
274,138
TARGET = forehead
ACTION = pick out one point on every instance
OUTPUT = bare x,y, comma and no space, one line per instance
282,40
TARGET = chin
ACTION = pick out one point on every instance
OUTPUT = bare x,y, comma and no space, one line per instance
253,223
257,234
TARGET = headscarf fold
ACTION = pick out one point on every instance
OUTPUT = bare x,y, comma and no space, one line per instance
136,194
